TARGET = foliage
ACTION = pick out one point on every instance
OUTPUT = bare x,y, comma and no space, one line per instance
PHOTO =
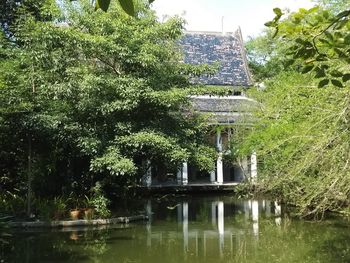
266,55
129,6
99,201
13,10
91,99
320,42
301,136
334,6
302,141
48,209
11,203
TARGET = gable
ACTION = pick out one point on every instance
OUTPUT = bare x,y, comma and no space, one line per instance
227,50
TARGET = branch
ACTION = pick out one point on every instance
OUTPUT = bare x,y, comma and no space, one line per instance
339,17
112,66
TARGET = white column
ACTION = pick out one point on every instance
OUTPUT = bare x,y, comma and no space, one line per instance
253,167
278,209
185,225
179,176
219,141
219,165
221,226
212,176
255,217
147,178
268,209
149,174
278,212
184,173
219,170
245,167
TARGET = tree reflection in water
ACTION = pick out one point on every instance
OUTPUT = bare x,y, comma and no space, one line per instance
210,229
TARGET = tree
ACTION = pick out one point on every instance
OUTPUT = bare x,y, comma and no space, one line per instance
301,135
127,5
11,11
266,55
97,97
320,42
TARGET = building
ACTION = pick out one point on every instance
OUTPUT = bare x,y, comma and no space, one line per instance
225,111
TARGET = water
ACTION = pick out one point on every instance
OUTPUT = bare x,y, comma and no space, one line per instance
197,229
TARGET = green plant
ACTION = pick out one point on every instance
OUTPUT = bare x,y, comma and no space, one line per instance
51,209
94,100
11,203
99,202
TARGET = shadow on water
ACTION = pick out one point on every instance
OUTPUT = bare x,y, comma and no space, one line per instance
202,229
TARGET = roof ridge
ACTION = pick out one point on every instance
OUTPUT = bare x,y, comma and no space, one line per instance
238,34
216,33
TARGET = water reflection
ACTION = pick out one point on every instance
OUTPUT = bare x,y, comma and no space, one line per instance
210,229
218,232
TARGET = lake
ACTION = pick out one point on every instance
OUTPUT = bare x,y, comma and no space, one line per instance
190,229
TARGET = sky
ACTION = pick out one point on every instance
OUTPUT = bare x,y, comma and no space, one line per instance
206,15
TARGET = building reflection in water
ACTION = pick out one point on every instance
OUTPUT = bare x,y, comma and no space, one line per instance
226,238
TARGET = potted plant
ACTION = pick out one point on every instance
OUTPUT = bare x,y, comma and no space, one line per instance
89,209
74,214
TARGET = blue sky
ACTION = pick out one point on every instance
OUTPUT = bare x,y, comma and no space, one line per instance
206,15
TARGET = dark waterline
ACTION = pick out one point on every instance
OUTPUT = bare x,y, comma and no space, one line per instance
197,229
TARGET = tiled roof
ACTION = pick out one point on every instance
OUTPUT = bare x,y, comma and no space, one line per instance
227,50
225,109
206,103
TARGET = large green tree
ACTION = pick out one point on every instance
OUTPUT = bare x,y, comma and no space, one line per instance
96,99
301,135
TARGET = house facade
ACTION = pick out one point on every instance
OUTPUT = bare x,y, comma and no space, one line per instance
224,111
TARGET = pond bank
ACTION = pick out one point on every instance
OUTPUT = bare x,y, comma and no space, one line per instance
81,222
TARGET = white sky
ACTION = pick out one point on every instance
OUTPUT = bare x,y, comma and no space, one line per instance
206,15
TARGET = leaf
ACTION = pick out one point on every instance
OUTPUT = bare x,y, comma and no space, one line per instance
341,24
305,52
300,41
278,12
314,9
343,14
325,14
347,39
340,53
337,83
336,74
289,62
276,32
329,36
346,77
128,6
321,57
307,69
324,41
320,73
270,24
323,83
150,1
103,4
